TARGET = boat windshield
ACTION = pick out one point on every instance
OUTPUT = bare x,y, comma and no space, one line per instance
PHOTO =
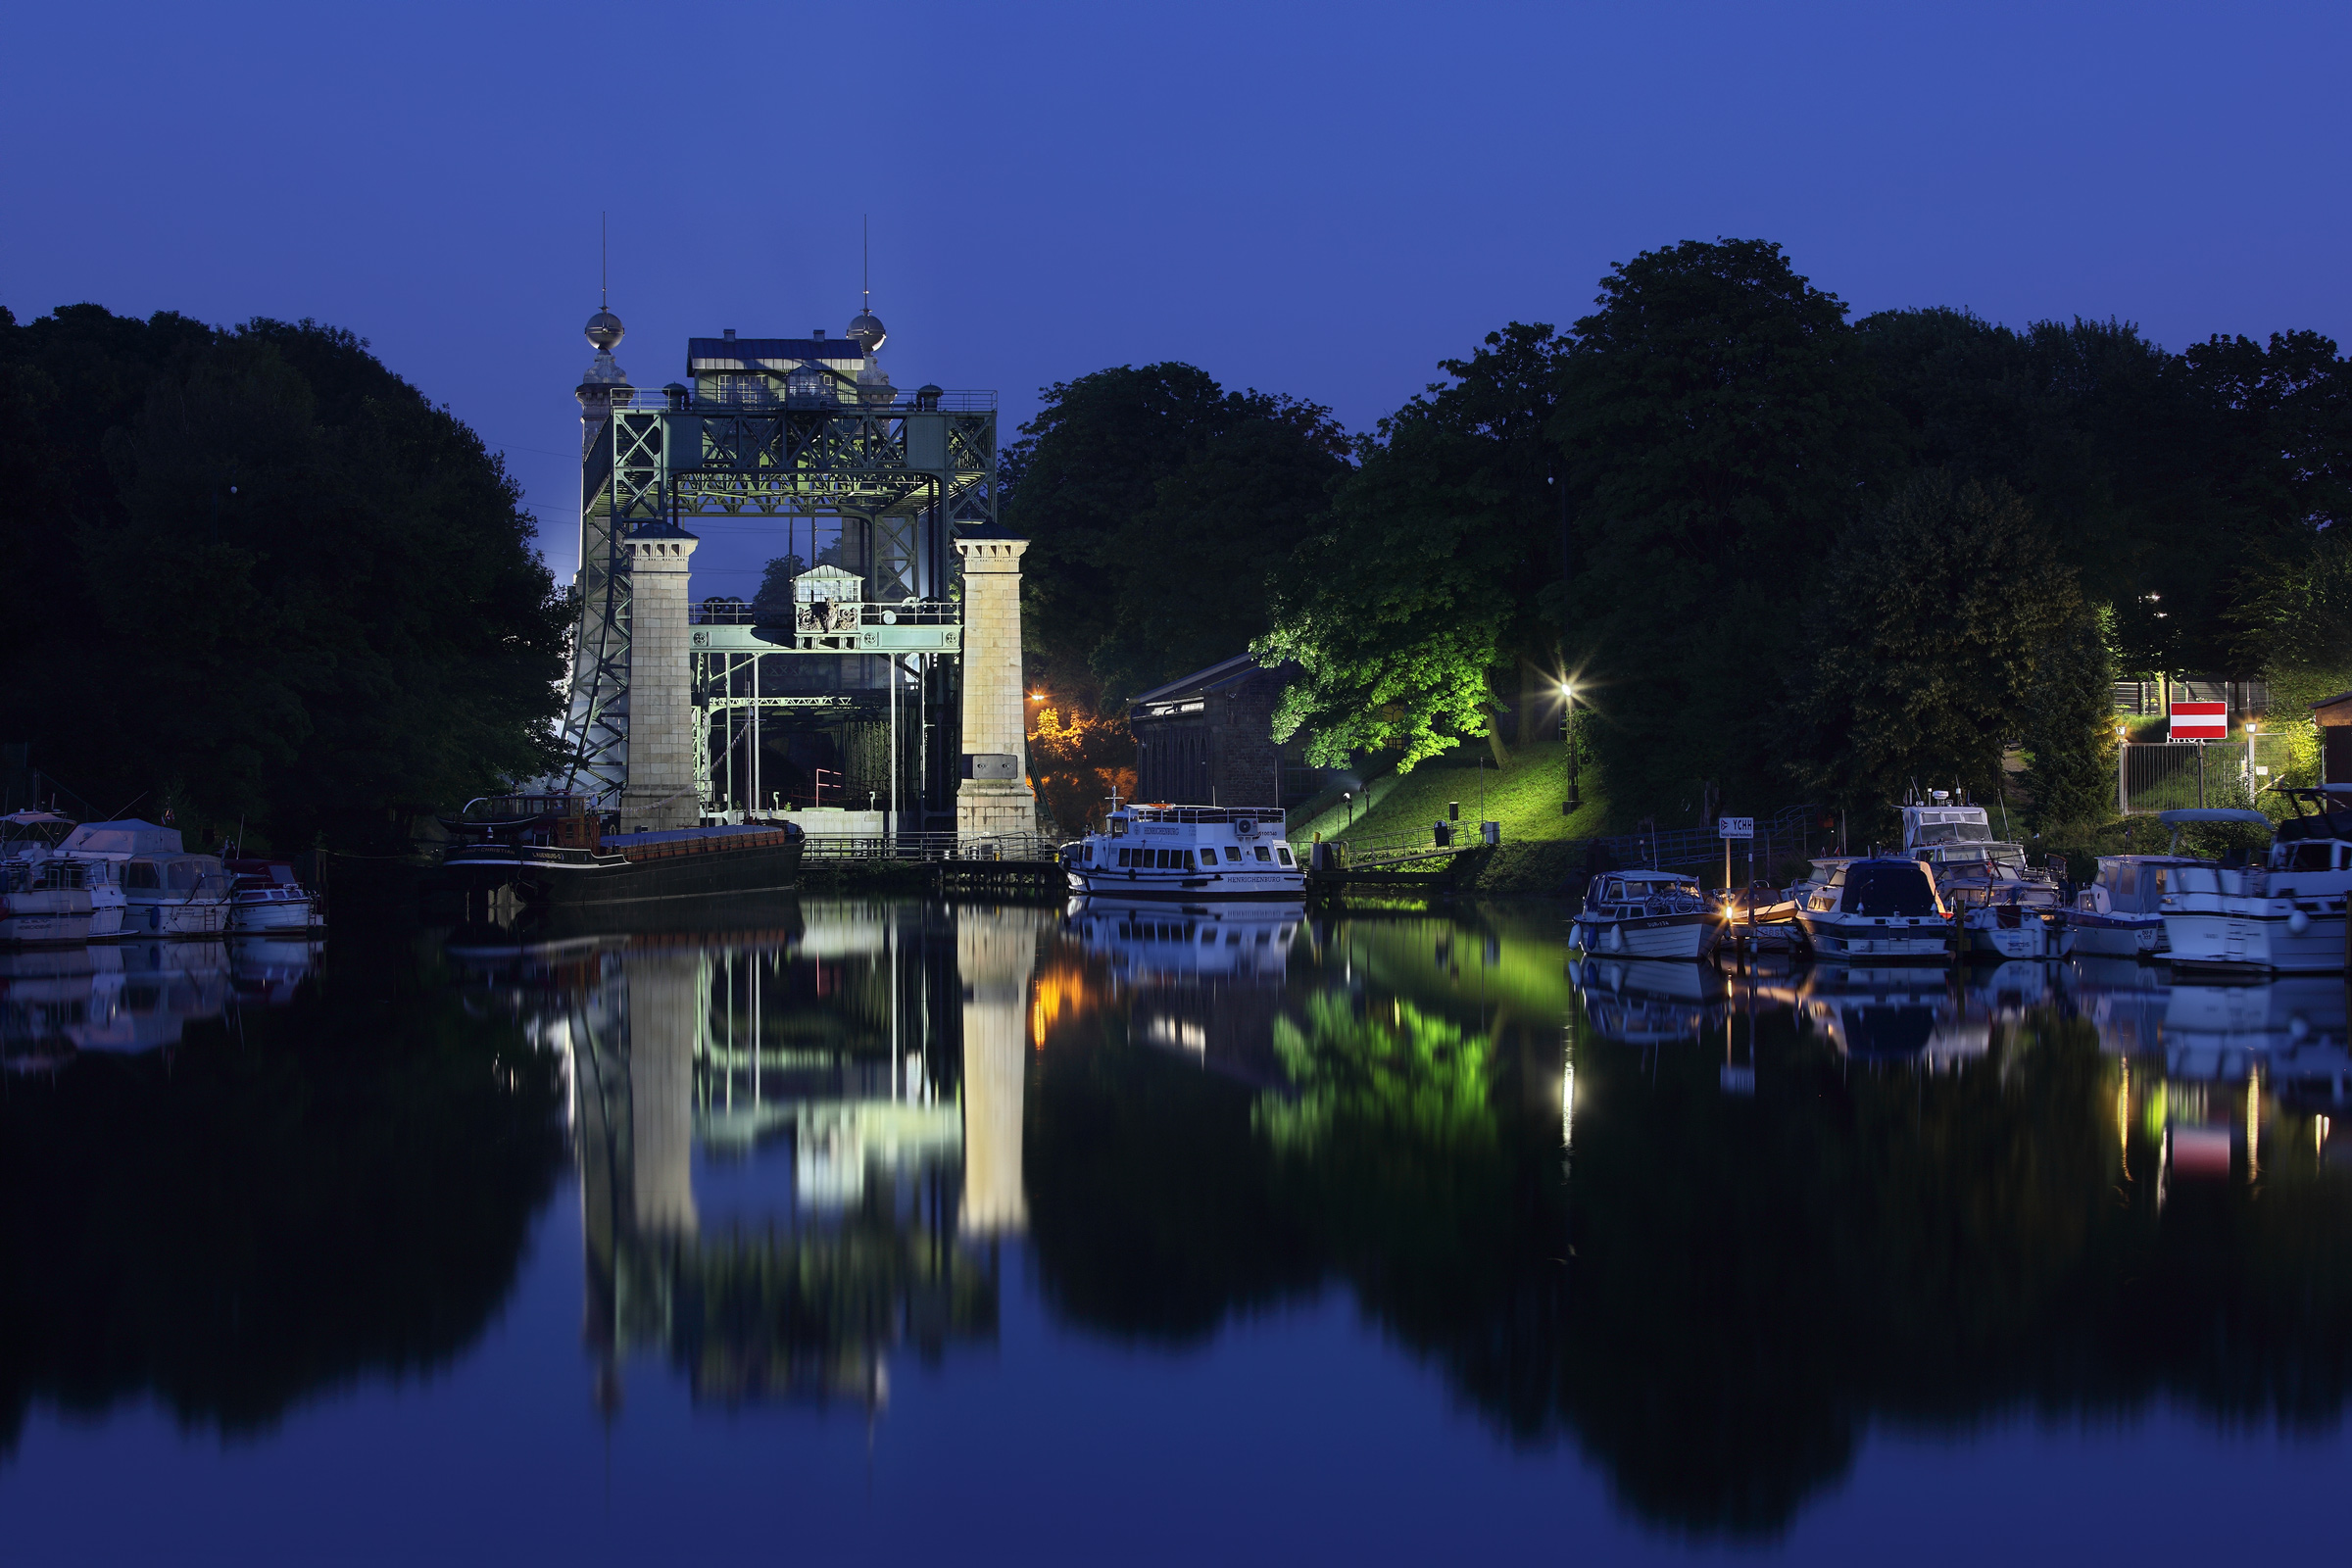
1953,833
1878,890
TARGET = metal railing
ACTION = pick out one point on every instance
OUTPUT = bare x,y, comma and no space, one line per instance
947,846
844,616
966,401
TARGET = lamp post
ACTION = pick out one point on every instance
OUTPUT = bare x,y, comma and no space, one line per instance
1568,733
2122,743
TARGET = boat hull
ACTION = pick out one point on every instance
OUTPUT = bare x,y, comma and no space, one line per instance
180,917
1917,938
1688,935
1215,887
272,915
2256,934
2115,936
672,870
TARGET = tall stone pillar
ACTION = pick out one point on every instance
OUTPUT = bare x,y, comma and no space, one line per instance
996,798
996,952
661,792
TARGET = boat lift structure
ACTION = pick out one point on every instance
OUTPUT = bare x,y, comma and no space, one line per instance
782,428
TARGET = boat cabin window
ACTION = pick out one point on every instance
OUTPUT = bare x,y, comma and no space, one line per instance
1233,852
1123,854
2126,880
1209,860
1880,889
1265,855
1283,854
141,874
2310,857
1118,827
1953,833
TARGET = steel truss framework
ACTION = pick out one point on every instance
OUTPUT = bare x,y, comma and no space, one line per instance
914,470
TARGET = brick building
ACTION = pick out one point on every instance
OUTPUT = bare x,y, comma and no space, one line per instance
1206,739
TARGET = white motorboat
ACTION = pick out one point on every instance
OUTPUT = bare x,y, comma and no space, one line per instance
2121,915
1945,830
265,897
1646,914
2286,915
166,891
2007,919
34,838
1185,854
43,903
1885,907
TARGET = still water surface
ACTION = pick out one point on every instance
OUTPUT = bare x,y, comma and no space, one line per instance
872,1230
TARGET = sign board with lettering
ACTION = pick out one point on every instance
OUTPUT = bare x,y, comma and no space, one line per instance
2200,721
1734,827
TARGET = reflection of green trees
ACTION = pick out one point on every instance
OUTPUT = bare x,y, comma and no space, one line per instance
279,1204
1413,1073
1727,1290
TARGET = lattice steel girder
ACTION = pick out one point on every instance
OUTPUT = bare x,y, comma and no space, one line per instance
862,640
793,461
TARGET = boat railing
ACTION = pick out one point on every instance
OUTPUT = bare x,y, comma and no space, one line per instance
847,615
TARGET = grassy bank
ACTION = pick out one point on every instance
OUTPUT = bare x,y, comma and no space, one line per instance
1524,796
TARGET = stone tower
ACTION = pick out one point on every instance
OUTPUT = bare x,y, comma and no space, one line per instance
661,792
995,795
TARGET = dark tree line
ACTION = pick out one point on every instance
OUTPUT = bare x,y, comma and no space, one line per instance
256,575
1785,554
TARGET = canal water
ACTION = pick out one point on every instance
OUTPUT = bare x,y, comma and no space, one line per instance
852,1229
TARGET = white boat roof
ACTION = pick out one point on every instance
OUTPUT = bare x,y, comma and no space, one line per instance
128,837
1653,876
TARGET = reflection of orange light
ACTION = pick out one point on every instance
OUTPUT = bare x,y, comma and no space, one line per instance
1060,986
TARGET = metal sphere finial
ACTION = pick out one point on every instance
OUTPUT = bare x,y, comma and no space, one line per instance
865,327
605,331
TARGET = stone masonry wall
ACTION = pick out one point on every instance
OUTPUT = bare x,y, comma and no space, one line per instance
660,789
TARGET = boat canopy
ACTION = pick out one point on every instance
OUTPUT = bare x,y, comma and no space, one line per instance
128,837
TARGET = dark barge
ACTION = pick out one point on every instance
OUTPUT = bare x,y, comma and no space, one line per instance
552,850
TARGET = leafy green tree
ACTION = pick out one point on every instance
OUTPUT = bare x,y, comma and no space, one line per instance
1155,502
1417,601
1717,431
2066,728
772,605
301,594
1937,624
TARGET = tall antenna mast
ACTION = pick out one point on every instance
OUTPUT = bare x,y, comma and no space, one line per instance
604,261
865,244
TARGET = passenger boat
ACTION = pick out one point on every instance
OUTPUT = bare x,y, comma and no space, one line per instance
2286,915
2121,915
552,850
166,890
265,897
1646,914
1886,908
1185,854
2007,918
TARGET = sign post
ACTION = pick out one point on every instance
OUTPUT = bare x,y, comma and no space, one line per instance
1729,828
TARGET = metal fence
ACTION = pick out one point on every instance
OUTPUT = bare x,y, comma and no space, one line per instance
926,847
2169,775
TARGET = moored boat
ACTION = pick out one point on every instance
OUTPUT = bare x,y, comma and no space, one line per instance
2121,913
1646,914
265,896
2007,918
2286,915
552,850
1885,907
1202,855
166,890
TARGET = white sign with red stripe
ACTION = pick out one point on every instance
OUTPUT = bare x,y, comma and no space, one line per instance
2200,721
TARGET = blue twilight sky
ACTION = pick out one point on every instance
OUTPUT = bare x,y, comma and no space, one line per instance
1315,199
